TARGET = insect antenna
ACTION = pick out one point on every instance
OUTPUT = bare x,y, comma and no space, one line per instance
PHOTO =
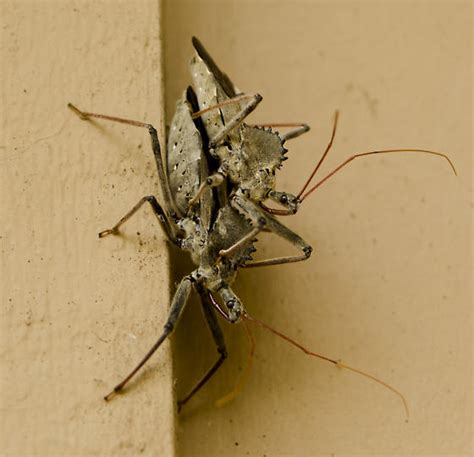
321,160
245,373
327,359
303,194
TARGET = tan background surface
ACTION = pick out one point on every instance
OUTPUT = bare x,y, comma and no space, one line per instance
386,289
77,312
387,286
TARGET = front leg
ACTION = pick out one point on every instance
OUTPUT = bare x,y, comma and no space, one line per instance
260,219
211,181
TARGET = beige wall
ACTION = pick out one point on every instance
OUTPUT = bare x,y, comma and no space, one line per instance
386,289
79,312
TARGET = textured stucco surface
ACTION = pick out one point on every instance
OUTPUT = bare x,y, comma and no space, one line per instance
78,312
387,286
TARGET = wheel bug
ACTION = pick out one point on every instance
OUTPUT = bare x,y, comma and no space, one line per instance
250,155
219,237
220,233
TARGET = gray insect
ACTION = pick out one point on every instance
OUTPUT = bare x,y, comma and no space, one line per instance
249,156
218,229
219,233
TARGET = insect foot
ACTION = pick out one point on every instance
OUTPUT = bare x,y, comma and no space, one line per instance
112,231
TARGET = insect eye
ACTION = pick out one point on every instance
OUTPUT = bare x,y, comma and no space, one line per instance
284,199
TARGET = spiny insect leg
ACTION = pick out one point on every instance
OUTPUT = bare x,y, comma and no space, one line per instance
179,300
250,235
259,217
218,337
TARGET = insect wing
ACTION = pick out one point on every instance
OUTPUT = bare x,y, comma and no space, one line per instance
184,155
222,79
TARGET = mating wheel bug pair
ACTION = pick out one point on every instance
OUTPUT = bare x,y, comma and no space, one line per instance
214,180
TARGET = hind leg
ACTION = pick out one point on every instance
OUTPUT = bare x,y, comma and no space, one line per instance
218,337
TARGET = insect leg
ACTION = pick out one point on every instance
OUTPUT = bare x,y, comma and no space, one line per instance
179,300
227,102
235,121
165,188
250,235
218,337
213,180
258,217
168,227
294,133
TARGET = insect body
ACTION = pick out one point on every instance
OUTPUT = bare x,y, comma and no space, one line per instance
219,233
249,156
